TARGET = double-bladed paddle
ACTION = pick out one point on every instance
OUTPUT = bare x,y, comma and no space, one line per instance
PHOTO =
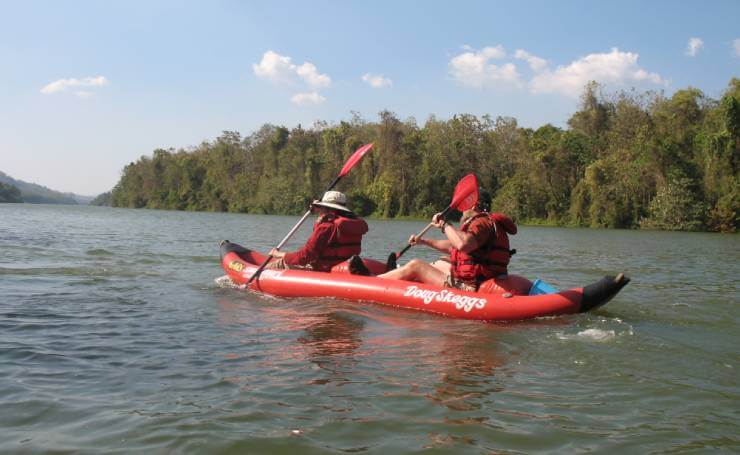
464,197
354,159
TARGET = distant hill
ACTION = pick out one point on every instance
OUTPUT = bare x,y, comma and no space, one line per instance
82,200
37,194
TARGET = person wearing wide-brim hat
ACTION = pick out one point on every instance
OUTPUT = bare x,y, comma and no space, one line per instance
337,236
333,200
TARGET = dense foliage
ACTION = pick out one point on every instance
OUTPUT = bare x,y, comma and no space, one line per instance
626,160
101,199
9,193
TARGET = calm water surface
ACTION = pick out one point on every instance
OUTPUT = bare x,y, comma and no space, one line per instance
115,336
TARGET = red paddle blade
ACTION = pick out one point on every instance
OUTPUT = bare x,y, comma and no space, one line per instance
357,156
466,193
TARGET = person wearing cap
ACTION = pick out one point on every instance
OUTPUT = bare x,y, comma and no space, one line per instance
337,236
478,251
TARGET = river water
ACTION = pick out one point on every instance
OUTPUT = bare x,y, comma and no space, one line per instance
116,336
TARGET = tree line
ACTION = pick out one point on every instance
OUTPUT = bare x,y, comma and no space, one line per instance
9,193
627,159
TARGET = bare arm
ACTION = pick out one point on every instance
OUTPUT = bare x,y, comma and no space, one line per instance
440,245
460,240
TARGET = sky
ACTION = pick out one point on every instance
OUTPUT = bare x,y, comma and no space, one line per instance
87,87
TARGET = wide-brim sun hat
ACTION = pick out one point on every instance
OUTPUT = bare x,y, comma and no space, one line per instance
333,200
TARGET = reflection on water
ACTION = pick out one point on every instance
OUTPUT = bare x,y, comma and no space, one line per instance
468,369
332,344
456,362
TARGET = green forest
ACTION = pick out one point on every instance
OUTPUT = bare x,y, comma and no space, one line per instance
627,159
9,193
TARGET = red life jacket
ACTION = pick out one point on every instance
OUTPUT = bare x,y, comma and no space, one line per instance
488,260
345,240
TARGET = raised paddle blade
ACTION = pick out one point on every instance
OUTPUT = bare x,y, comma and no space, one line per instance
466,193
357,156
464,197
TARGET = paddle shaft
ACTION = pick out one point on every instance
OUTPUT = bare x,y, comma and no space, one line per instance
423,231
290,234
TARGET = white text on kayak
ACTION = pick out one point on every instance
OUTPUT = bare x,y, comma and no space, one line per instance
462,302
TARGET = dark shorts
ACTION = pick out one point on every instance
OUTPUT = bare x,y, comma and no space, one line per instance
280,264
451,282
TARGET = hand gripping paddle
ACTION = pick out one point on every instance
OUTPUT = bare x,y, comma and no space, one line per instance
464,198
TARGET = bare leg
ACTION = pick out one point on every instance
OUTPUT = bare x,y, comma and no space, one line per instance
442,266
417,270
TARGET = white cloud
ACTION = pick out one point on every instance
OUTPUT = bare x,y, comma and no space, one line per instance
307,99
475,70
493,52
736,46
310,74
377,80
274,67
279,68
614,67
535,63
61,85
692,48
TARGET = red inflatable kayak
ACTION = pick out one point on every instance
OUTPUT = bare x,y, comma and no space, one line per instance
502,299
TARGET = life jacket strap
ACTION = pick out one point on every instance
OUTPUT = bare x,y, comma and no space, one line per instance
500,248
484,262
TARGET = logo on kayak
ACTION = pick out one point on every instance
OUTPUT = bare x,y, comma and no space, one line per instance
236,266
462,302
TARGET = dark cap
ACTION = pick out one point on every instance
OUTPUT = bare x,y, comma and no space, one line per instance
484,201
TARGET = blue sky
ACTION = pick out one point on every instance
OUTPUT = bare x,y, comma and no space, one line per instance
87,87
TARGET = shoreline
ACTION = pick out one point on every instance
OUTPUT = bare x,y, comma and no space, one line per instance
526,223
